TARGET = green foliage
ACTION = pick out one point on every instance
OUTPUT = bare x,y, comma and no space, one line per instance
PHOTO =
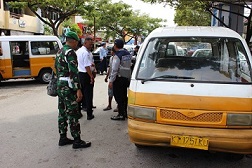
73,26
17,5
192,14
63,9
118,19
48,30
184,10
76,28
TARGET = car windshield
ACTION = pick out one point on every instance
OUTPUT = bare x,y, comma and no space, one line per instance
205,59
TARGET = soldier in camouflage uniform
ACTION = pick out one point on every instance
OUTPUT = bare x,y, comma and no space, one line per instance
69,92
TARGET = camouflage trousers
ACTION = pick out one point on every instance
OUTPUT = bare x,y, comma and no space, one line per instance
68,110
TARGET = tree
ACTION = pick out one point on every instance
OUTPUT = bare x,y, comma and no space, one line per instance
61,9
192,14
118,19
209,6
141,25
72,26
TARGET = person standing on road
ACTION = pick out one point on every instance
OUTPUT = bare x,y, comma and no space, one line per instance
119,78
133,61
85,66
110,91
69,93
103,58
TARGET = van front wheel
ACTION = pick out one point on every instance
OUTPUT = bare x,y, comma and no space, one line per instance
45,76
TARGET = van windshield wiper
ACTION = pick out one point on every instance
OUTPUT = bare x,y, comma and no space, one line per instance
166,76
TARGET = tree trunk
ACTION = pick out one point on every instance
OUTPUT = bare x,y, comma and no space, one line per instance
249,28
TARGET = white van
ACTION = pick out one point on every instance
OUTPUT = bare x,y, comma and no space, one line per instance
28,56
202,102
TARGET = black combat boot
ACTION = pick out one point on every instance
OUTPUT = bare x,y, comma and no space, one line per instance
64,140
78,143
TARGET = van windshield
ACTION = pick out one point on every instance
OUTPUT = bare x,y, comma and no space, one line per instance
206,59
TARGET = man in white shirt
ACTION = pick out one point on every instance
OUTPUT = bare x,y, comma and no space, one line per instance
85,66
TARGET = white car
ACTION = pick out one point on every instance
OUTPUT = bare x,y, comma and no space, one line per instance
202,53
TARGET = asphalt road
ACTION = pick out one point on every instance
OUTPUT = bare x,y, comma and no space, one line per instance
29,136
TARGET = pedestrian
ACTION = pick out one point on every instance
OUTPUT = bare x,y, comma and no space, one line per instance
85,67
110,91
69,93
133,60
103,58
119,78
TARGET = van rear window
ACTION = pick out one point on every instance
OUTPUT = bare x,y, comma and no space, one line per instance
200,59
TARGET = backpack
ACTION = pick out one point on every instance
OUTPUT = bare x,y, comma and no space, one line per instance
52,85
125,63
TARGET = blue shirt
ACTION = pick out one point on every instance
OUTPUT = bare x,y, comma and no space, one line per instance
103,52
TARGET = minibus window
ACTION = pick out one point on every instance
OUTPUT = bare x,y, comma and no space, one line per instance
44,47
201,59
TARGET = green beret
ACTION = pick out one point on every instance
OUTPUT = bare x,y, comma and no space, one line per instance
72,35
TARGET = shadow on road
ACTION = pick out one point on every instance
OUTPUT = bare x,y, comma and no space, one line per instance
19,83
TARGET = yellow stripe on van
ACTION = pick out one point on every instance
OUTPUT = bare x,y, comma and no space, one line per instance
190,102
5,68
41,62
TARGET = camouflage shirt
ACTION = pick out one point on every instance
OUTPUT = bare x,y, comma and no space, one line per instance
66,66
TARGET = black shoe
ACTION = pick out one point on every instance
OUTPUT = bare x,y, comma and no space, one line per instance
90,117
93,106
118,117
65,141
84,109
81,144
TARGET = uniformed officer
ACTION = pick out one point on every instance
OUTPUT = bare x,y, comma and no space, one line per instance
69,93
119,78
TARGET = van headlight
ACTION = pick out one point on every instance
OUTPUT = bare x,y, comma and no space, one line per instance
141,112
239,119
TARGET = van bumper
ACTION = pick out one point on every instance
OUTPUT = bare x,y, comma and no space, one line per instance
224,140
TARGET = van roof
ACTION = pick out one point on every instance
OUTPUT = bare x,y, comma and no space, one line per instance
28,38
199,31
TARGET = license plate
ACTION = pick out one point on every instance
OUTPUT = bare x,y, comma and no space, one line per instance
189,142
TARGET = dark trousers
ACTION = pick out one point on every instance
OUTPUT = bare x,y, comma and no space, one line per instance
120,86
103,65
87,91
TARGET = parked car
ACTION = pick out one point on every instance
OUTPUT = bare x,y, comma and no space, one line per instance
202,53
96,52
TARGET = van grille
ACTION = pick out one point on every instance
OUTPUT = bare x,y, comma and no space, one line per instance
177,116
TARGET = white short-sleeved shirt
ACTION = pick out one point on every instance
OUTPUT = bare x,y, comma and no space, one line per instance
84,59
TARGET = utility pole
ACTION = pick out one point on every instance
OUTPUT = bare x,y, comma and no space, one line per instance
94,35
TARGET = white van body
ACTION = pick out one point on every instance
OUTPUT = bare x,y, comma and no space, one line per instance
202,102
28,56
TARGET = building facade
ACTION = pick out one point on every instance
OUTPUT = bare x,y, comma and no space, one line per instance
18,21
227,15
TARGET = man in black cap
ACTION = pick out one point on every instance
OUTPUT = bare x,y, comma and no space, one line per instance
119,78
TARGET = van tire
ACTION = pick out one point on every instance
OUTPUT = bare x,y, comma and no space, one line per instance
45,76
234,156
140,146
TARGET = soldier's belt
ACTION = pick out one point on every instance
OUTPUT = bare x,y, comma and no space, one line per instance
68,80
